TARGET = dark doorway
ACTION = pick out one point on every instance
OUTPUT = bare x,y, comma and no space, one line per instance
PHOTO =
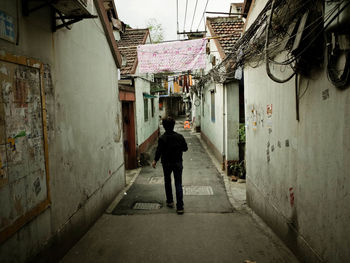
129,135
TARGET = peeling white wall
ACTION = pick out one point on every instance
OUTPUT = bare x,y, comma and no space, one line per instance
213,129
223,132
145,128
85,150
88,117
298,172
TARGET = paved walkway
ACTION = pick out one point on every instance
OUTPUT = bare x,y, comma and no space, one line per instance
216,226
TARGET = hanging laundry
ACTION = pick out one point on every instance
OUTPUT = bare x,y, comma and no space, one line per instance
186,82
170,84
172,56
180,81
190,78
177,88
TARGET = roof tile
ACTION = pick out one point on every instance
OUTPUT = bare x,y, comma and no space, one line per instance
231,28
127,44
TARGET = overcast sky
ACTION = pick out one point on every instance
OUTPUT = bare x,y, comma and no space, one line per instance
136,13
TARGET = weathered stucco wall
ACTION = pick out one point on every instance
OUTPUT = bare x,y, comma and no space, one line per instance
85,151
298,171
223,132
213,129
145,128
87,116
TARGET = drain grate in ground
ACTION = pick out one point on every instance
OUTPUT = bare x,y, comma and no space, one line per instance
146,206
156,180
197,190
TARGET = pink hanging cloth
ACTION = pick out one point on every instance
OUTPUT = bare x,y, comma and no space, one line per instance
172,56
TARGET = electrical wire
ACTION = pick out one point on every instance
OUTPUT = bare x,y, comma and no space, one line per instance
251,47
307,87
177,16
205,9
185,15
194,13
333,57
268,71
318,21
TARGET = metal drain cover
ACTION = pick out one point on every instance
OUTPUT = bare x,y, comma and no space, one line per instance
146,206
197,190
156,180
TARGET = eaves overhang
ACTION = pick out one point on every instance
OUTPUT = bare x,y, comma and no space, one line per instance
108,31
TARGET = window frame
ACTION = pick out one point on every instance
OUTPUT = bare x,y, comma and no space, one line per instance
145,109
152,107
212,105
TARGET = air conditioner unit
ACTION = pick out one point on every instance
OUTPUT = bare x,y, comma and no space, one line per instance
74,8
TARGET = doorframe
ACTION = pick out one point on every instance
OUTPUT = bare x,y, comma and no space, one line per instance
129,97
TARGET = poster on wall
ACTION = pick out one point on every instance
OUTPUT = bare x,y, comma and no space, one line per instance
269,116
23,167
7,27
254,119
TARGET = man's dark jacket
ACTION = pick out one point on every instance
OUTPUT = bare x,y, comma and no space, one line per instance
170,147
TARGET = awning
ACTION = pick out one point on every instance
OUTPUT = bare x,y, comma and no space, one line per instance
148,96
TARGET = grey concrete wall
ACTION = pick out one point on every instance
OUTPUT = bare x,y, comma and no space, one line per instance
298,172
85,145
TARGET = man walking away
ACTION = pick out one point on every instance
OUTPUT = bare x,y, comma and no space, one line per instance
170,147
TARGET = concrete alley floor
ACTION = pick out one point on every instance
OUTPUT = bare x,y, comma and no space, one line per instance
216,226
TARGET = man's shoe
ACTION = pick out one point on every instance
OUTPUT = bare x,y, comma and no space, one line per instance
171,205
180,211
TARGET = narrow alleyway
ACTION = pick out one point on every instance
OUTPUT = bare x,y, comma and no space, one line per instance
142,229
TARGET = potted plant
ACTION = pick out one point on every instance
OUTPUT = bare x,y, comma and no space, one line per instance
237,170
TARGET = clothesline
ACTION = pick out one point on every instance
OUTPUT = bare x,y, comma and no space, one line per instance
216,37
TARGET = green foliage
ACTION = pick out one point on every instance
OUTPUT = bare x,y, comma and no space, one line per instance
156,30
20,134
241,132
238,169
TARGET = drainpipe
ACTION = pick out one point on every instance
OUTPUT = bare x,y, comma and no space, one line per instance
223,127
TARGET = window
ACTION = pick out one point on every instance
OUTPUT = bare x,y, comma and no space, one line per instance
212,98
145,108
152,107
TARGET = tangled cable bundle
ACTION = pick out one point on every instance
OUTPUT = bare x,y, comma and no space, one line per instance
274,31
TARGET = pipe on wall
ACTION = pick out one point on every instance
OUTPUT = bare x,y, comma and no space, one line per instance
223,126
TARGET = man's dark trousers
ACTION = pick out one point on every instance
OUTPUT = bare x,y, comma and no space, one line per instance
176,168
